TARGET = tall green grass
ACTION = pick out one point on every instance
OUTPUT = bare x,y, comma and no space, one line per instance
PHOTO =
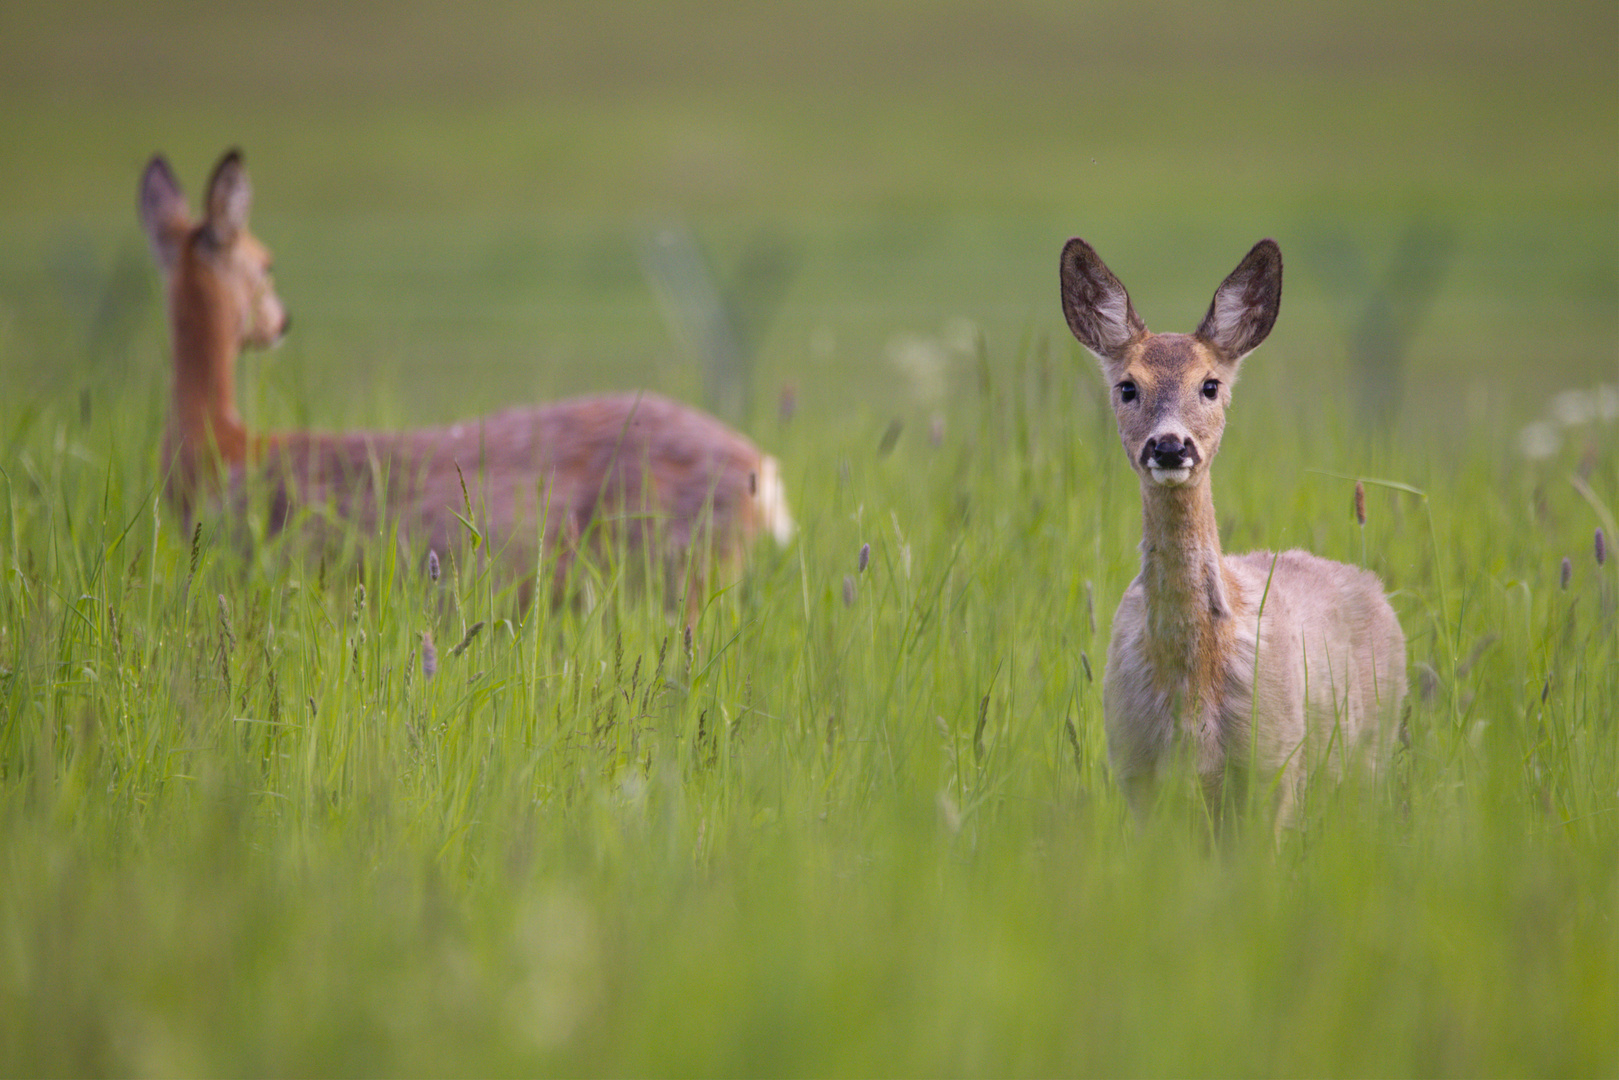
861,823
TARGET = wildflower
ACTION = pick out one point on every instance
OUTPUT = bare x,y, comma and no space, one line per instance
923,362
1539,440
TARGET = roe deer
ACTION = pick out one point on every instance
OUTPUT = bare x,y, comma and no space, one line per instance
644,467
1265,667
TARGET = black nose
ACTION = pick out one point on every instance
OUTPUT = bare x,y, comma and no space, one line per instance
1169,452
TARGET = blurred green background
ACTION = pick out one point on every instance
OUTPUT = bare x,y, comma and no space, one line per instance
462,198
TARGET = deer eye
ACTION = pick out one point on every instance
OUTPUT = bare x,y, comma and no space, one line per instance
1127,391
1211,388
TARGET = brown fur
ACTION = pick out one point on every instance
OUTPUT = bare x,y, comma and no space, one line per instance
1194,661
628,469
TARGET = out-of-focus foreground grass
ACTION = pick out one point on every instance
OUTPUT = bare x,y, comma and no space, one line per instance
856,828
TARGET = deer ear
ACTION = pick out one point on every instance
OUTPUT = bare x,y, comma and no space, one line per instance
229,197
1245,305
1097,306
164,214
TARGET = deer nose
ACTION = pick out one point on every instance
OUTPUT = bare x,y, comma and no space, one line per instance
1169,452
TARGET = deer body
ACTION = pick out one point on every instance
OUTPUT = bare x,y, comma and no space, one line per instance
637,467
1261,666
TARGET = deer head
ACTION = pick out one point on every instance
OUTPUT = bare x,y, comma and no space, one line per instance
1170,391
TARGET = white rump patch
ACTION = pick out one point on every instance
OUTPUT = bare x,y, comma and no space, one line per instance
771,502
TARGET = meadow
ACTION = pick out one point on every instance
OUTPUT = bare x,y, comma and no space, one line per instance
854,820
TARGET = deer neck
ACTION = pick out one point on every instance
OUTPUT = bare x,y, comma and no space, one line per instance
1188,596
204,425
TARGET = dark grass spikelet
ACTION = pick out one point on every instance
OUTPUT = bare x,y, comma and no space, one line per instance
196,548
1073,744
848,590
1601,546
472,632
891,436
1360,504
1567,572
432,566
865,557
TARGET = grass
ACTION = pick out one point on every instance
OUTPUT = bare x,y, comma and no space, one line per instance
241,832
244,834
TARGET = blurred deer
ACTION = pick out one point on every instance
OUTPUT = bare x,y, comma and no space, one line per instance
629,469
1261,666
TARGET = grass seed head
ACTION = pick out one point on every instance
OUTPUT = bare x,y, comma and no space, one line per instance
1601,547
432,565
472,632
429,655
865,557
1360,503
196,547
224,623
848,590
1567,573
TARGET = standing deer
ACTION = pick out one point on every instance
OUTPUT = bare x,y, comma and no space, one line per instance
1262,666
636,469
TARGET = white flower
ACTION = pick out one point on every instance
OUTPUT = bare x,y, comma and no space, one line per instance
1539,440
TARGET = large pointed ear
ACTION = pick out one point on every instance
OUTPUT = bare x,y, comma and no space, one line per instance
229,198
164,214
1098,309
1245,305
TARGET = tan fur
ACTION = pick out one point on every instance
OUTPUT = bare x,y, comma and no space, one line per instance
1251,694
626,469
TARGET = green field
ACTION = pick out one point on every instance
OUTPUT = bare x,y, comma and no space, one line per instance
864,824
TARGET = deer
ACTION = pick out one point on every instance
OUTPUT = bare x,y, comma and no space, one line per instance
1263,668
632,469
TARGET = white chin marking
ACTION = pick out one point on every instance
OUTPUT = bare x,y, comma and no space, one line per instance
1170,477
